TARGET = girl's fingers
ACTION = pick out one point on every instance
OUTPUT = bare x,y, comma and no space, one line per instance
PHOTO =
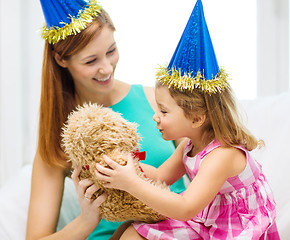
104,170
130,160
110,162
100,176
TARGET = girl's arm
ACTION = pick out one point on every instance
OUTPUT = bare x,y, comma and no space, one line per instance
173,168
174,164
219,165
46,194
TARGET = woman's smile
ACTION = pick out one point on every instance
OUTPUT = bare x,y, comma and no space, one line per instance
103,81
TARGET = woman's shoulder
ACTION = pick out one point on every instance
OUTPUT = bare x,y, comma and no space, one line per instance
141,91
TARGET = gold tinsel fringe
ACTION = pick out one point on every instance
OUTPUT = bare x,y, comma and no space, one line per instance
175,79
85,16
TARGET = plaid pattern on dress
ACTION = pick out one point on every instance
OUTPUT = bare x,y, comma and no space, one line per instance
243,209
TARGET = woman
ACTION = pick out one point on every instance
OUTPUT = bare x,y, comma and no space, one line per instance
79,68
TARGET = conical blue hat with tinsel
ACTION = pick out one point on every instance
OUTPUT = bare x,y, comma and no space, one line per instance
194,64
67,17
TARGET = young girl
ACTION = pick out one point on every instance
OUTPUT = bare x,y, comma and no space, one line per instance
228,196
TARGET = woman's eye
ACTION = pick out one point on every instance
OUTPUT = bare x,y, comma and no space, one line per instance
111,51
162,111
90,62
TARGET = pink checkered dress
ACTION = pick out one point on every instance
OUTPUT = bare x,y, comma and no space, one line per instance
243,209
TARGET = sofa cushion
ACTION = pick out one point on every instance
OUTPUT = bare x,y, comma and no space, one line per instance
269,119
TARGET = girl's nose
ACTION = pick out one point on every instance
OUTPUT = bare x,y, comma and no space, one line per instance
156,118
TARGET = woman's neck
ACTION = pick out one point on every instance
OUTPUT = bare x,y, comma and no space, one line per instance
118,92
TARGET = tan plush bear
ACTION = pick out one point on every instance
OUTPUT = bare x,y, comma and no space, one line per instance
92,131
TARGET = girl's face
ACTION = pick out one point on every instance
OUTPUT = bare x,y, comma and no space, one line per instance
93,67
170,118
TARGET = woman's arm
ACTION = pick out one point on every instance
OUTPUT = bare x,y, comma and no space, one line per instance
46,194
219,165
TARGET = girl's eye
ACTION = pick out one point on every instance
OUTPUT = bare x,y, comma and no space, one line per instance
162,111
90,62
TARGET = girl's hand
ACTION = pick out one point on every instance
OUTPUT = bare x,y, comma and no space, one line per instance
85,189
117,176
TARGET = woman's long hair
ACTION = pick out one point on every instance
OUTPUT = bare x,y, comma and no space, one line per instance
58,92
223,120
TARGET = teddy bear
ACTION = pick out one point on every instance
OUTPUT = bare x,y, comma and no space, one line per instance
92,131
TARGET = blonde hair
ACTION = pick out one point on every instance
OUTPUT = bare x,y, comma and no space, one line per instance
223,121
58,91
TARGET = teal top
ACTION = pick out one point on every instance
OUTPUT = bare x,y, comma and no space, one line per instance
136,108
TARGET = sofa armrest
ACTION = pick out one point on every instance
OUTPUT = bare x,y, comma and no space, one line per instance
14,201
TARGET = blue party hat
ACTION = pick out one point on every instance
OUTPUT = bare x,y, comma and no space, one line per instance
194,64
67,17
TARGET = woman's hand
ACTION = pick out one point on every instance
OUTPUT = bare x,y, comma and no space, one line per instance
89,207
117,176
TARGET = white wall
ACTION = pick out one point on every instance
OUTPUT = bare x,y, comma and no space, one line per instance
273,47
10,89
20,66
152,42
147,34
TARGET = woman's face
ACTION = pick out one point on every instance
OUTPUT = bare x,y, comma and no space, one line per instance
93,67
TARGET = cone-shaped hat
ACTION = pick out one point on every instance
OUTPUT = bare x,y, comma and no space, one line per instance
67,17
194,64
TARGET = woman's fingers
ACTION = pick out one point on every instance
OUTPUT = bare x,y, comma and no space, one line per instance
91,190
84,185
99,200
75,174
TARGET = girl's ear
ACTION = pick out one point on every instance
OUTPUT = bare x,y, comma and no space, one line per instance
198,120
59,60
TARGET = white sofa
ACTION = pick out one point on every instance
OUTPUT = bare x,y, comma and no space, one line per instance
268,118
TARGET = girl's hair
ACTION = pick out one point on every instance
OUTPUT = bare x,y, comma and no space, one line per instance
223,121
58,91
